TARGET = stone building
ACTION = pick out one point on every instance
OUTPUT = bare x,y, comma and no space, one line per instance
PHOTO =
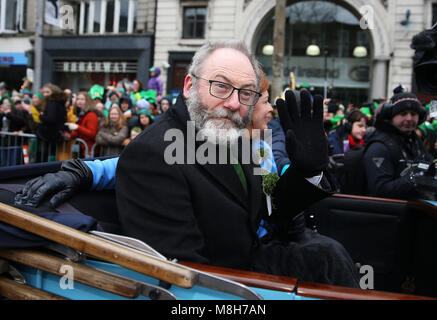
362,48
80,43
364,59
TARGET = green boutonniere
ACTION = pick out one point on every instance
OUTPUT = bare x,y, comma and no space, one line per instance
269,181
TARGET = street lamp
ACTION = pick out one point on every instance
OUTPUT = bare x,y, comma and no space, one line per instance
313,50
268,50
360,52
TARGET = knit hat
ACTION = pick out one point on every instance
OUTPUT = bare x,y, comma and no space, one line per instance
38,94
405,101
146,112
112,94
143,104
333,107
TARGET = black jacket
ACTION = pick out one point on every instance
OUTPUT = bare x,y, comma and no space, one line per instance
53,119
388,170
19,120
201,213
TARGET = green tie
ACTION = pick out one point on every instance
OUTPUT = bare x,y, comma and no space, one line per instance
239,170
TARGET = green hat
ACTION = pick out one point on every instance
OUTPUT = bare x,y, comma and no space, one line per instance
146,112
38,94
336,120
149,95
152,69
366,111
305,85
96,91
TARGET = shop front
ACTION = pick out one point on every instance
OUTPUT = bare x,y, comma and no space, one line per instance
78,63
325,50
13,67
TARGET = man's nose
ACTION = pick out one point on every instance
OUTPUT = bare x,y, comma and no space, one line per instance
232,103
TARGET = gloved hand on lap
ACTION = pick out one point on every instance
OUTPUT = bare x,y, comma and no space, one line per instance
62,185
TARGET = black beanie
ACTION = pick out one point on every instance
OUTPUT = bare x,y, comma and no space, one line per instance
405,101
333,107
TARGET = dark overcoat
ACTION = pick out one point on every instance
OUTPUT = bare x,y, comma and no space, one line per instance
201,213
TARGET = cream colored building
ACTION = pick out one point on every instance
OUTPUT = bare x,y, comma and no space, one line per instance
389,56
75,33
177,28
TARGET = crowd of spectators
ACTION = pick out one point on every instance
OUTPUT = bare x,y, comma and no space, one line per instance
105,119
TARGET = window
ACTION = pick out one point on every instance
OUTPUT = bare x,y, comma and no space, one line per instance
434,13
12,16
107,16
194,23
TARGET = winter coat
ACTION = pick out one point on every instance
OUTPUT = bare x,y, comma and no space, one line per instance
87,130
19,120
155,83
387,176
336,138
110,139
278,145
53,118
202,212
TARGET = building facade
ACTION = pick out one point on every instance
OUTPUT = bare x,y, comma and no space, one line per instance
383,28
363,46
79,43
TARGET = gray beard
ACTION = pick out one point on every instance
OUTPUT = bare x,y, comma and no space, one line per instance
217,131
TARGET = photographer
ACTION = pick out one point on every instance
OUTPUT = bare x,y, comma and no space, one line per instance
391,162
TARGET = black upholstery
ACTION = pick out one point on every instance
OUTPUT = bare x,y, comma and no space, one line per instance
398,242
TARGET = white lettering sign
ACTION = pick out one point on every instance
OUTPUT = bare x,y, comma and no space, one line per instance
93,66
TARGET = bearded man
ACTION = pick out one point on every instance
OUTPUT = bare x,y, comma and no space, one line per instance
209,213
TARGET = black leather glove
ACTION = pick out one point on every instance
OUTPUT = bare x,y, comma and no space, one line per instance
305,140
73,175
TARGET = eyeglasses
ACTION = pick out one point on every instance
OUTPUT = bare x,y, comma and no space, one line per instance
223,90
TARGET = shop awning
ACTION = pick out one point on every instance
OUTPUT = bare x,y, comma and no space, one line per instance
13,58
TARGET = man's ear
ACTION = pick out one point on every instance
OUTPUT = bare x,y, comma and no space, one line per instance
188,83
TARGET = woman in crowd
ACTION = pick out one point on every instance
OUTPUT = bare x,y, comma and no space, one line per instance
350,135
137,91
261,115
35,109
53,115
112,132
88,124
145,119
164,105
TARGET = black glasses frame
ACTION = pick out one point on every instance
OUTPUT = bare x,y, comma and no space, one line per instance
257,94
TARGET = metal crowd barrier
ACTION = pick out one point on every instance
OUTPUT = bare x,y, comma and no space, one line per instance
24,148
102,151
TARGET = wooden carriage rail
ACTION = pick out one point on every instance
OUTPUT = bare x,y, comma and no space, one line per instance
359,197
99,248
306,289
248,278
16,291
109,282
413,205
